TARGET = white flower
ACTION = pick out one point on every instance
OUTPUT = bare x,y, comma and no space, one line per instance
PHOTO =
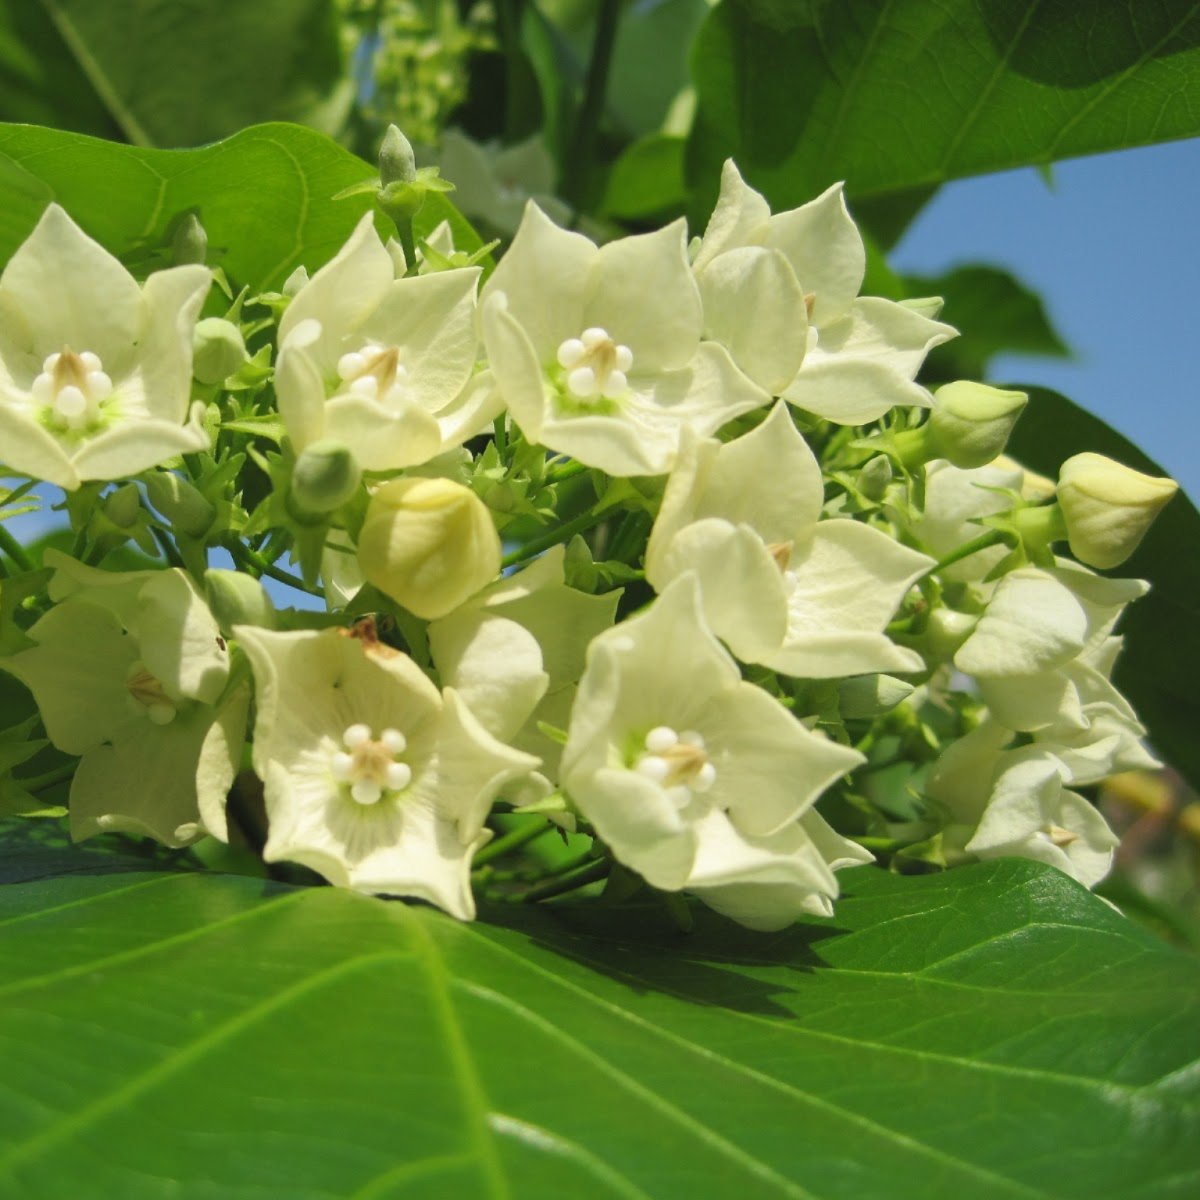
1015,802
382,365
954,502
493,182
1042,650
803,596
131,672
696,779
597,352
853,358
526,633
95,370
373,777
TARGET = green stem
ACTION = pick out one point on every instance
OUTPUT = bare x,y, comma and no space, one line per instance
991,538
39,783
563,533
588,872
577,173
514,839
168,547
15,550
566,470
257,566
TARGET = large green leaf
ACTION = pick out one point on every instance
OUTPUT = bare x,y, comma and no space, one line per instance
991,1032
40,80
1159,669
263,195
183,72
906,94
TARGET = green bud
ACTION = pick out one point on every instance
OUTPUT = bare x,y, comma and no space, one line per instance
180,502
237,599
295,281
971,422
325,476
871,695
397,163
123,506
1108,507
874,477
189,243
428,544
217,350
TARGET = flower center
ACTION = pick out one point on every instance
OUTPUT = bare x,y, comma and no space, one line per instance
1061,837
71,389
781,552
371,767
595,365
679,761
147,695
376,373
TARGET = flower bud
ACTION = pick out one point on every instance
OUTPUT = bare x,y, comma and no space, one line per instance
428,544
325,476
396,161
865,696
122,506
971,422
237,599
181,503
217,350
874,477
189,244
1108,507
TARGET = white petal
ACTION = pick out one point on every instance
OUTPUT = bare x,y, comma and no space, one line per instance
739,219
852,391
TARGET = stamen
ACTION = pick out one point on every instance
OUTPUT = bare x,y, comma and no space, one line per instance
596,365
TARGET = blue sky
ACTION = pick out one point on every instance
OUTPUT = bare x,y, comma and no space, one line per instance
1113,246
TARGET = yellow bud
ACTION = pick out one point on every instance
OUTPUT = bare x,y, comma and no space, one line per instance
428,544
971,422
1108,507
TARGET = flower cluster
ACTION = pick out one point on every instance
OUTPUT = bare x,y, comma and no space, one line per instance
656,544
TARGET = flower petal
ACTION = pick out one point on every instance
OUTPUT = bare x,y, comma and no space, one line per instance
852,391
739,219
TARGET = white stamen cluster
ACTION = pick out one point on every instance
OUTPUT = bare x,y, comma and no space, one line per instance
370,766
71,388
147,695
376,373
679,761
595,365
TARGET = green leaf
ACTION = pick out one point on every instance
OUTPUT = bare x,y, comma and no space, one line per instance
997,314
1160,665
40,81
991,1032
647,180
183,72
263,196
907,94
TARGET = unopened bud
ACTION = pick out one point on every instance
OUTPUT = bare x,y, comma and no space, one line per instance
123,505
295,281
874,477
1108,507
325,476
971,422
237,599
871,695
428,544
180,502
189,243
217,350
397,163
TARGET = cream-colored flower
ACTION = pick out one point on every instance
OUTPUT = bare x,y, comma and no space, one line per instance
781,587
597,352
373,777
95,369
696,779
